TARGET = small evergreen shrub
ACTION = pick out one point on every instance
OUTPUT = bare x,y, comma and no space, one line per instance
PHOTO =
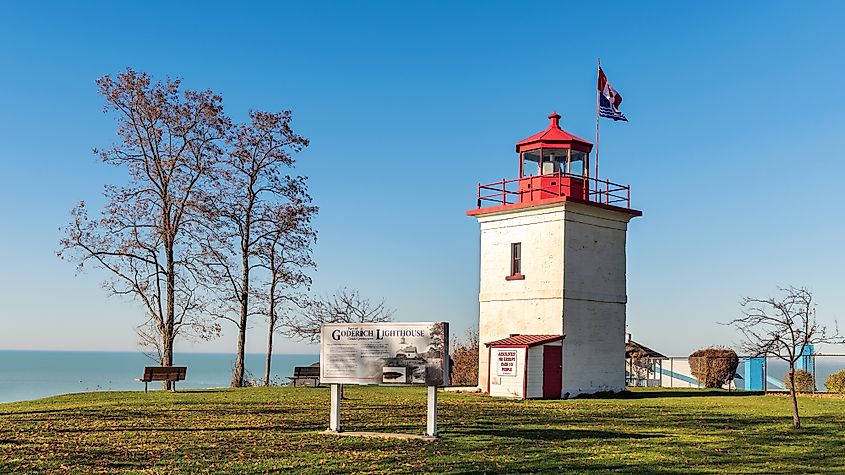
713,367
804,381
836,382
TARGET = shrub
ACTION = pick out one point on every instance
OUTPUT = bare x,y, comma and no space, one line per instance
713,367
836,382
465,360
804,381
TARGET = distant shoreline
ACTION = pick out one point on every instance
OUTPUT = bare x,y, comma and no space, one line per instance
35,374
316,353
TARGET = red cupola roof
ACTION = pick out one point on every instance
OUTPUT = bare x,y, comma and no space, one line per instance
554,137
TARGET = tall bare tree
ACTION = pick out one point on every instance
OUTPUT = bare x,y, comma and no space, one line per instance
169,140
344,306
286,255
250,183
782,327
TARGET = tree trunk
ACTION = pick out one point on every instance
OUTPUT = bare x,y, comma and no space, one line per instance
169,322
272,315
166,357
793,391
269,356
238,375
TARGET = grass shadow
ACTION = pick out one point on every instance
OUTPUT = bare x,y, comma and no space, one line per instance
557,434
300,428
668,393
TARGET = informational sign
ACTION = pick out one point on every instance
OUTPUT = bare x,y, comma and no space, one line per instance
505,361
385,354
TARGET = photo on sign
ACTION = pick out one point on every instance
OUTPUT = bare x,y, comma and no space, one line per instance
393,374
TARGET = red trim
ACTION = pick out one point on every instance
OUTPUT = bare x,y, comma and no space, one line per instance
519,341
559,144
515,277
525,376
556,199
554,137
489,365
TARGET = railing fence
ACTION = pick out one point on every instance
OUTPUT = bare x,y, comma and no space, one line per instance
752,373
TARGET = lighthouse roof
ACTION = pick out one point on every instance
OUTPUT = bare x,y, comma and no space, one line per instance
554,137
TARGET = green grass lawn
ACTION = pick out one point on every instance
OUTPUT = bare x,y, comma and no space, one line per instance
277,430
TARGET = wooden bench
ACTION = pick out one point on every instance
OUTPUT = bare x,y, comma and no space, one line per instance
163,373
306,376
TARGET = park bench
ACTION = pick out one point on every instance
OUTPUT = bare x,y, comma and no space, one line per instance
306,376
163,373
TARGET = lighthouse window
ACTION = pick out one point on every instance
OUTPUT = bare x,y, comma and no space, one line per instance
577,162
516,258
530,163
554,160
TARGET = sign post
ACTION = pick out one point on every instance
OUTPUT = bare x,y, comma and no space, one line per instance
431,416
385,354
334,414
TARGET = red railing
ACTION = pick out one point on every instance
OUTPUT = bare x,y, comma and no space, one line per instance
554,185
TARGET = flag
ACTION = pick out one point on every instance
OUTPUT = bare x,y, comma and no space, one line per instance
609,99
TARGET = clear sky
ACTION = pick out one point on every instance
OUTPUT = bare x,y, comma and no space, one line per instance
734,149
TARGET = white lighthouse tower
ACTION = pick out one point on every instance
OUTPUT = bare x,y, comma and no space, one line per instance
552,278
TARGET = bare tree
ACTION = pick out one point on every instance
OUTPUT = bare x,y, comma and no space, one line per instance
145,237
465,359
251,182
640,365
782,327
344,306
286,255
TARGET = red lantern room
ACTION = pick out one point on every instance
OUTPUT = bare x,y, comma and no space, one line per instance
553,160
554,166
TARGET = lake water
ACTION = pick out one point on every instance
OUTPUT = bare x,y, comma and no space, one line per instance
35,374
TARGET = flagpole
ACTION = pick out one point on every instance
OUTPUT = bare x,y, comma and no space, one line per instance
598,69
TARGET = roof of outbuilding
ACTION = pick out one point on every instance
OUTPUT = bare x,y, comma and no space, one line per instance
525,340
632,347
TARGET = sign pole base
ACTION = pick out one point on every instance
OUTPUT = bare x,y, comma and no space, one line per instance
334,412
431,415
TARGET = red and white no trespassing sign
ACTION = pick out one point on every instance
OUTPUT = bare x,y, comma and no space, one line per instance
505,361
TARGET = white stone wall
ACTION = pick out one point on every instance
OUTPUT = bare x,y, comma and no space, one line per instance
595,297
573,259
530,306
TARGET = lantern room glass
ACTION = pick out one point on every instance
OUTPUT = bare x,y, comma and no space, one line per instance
554,160
530,163
578,163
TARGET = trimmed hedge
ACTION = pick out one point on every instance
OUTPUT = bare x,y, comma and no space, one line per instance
836,382
804,381
714,367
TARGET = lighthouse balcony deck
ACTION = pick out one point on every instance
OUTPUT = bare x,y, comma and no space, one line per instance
550,188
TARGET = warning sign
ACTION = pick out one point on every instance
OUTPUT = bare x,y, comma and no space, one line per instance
505,361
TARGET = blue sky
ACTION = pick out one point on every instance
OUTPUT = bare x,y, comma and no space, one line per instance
734,149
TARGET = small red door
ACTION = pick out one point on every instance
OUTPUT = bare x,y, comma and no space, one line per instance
552,371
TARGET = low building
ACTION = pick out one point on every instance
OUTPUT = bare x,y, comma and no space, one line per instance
644,366
525,366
